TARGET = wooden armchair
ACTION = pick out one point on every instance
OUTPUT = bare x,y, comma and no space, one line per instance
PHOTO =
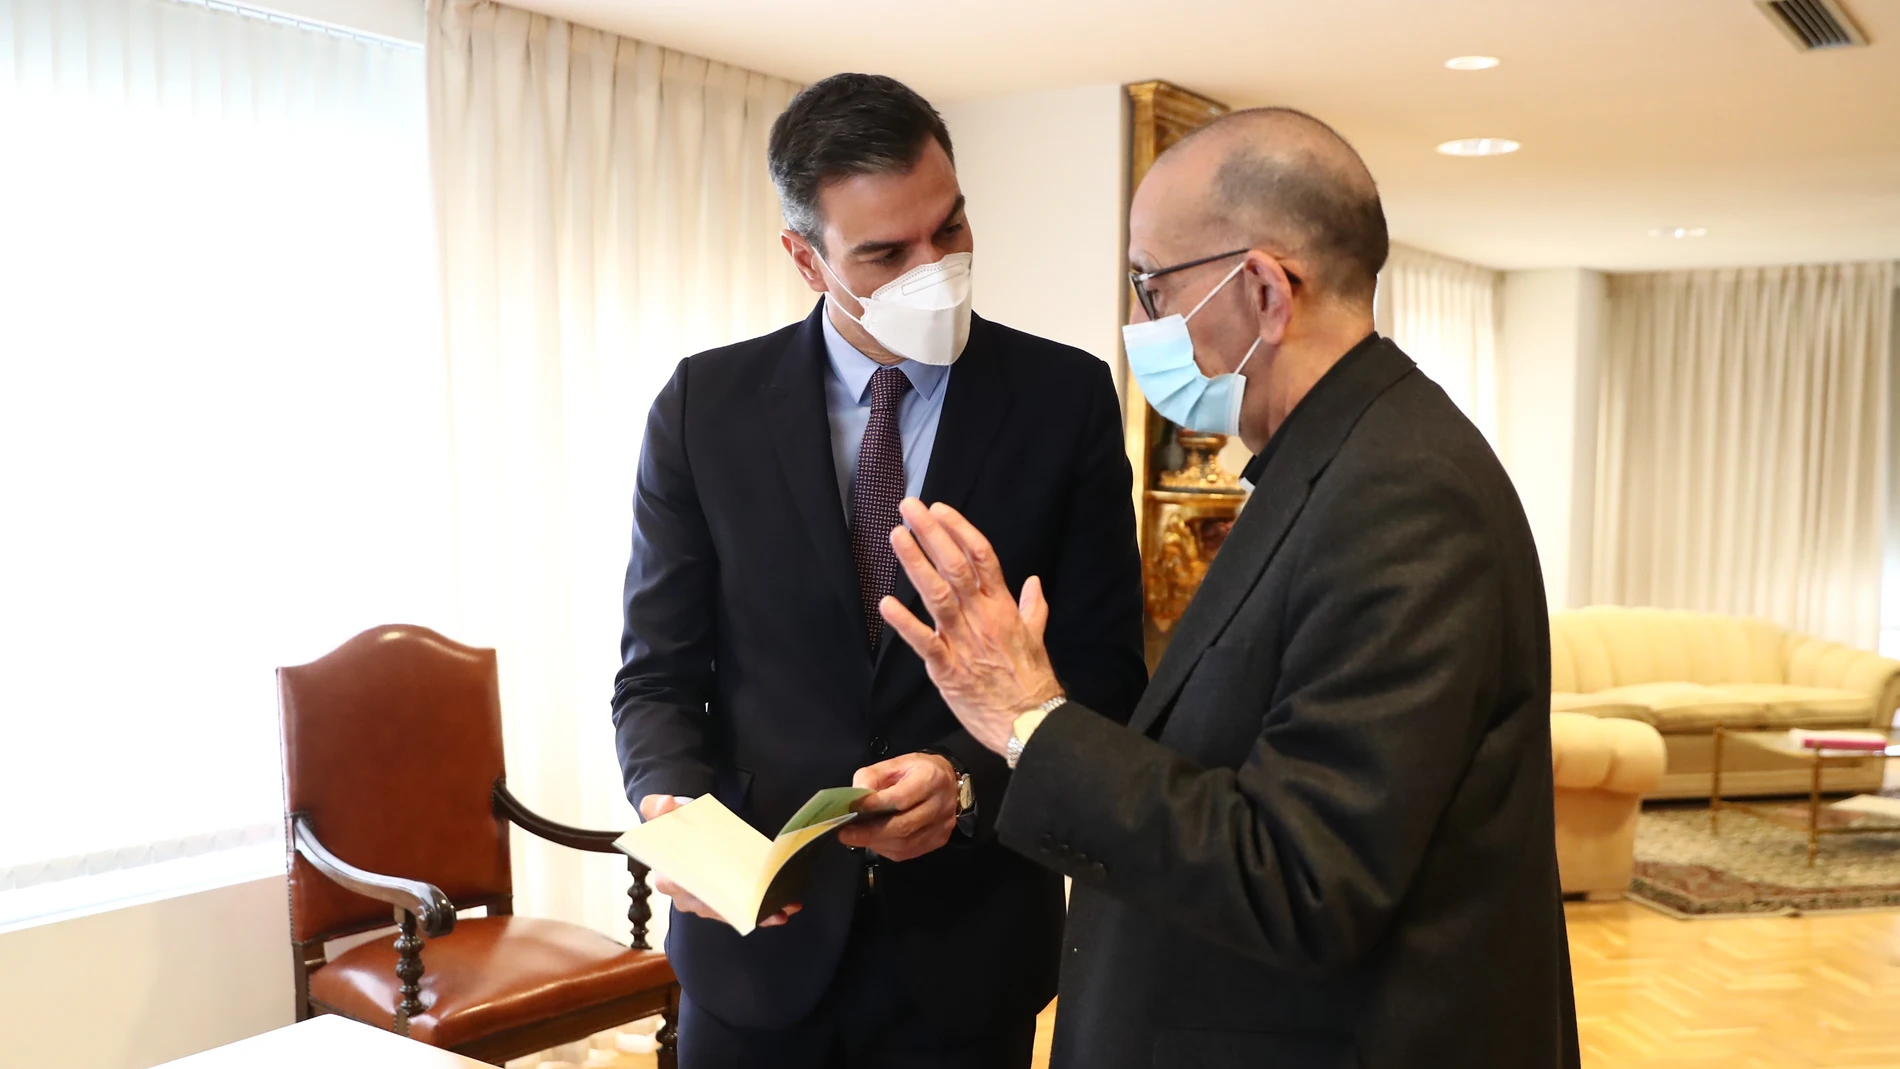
393,764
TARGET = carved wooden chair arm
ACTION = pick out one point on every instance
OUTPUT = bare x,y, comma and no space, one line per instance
512,808
639,895
425,902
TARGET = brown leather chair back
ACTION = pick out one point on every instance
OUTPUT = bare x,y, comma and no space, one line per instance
392,745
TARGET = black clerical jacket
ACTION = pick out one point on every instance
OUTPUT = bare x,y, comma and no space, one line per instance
746,672
1325,838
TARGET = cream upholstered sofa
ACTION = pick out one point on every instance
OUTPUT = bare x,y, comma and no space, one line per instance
1684,673
1602,767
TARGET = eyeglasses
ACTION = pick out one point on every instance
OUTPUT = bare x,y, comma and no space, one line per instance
1147,296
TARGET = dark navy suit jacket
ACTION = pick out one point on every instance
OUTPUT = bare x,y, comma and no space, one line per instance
745,670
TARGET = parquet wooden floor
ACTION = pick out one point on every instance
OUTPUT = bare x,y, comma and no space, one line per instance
1754,993
1750,993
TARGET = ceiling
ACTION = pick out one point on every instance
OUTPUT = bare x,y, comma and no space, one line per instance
1633,114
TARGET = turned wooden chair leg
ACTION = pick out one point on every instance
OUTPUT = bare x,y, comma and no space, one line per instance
408,970
639,912
669,1032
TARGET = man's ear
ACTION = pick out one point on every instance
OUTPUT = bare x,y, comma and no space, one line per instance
804,259
1272,294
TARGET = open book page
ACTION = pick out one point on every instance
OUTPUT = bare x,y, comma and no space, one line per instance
708,850
787,869
705,848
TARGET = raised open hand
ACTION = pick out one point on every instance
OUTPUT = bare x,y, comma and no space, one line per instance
985,653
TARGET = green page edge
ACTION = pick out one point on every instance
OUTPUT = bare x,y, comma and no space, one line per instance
828,804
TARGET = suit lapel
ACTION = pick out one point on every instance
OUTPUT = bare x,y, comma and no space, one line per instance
1318,427
973,411
796,400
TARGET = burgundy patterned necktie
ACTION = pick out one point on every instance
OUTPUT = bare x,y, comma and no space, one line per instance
875,492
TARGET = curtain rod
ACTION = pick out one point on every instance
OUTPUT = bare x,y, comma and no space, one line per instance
311,25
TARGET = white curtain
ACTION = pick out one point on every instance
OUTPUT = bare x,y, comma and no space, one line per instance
1445,313
1890,594
221,421
1742,444
604,211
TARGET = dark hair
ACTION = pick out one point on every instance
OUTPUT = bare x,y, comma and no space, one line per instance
848,124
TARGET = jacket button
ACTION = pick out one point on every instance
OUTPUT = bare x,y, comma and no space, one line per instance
1099,871
879,747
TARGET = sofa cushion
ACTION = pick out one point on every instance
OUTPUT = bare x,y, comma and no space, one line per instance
1598,705
1599,648
1805,707
1687,707
1675,708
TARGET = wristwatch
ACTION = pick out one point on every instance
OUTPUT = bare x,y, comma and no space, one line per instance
966,791
1025,725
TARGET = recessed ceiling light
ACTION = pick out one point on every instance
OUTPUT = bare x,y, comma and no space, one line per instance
1479,146
1679,232
1472,63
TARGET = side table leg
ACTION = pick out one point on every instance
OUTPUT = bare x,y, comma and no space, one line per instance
1715,785
1814,811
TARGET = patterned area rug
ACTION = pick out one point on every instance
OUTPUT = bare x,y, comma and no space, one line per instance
1757,866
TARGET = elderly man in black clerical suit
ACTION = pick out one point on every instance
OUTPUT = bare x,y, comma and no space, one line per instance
1325,838
757,668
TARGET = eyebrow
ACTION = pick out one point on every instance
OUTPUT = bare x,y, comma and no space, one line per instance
867,247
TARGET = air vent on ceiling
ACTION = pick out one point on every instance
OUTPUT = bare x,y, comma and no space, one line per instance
1813,24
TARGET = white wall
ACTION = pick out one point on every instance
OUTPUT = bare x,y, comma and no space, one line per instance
133,987
1549,354
1045,174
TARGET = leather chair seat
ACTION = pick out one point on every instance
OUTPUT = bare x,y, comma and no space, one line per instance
489,975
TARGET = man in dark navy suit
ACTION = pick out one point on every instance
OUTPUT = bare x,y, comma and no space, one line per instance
757,667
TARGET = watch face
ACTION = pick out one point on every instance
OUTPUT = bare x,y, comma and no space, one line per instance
966,794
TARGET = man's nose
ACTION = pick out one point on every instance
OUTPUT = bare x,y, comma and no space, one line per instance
1136,313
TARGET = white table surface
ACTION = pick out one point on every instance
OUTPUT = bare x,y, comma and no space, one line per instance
326,1042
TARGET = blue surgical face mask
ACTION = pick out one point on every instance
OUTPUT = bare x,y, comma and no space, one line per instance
1161,357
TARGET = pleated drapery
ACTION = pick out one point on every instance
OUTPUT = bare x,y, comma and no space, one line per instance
1445,314
1742,444
603,211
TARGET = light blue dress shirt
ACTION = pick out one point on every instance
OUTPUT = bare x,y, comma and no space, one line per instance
848,408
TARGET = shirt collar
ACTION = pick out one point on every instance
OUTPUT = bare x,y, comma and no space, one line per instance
854,369
1257,467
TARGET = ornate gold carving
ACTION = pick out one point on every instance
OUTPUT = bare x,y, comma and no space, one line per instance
1201,472
1160,113
1186,530
1184,514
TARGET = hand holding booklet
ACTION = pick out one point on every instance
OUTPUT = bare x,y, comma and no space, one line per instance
720,859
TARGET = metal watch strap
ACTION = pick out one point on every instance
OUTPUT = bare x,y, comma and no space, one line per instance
1013,752
962,774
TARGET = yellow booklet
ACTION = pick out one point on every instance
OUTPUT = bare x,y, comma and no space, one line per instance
719,858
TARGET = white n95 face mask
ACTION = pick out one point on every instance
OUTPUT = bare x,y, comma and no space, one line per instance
1161,358
922,314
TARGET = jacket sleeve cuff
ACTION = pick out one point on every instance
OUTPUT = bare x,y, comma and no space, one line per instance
685,781
1058,778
